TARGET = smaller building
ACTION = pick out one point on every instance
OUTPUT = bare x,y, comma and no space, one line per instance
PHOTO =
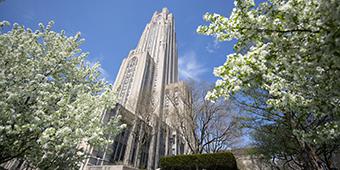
248,161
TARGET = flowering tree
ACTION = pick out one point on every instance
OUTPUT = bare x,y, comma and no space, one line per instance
51,101
287,59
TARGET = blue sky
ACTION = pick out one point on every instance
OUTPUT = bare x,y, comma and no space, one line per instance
112,28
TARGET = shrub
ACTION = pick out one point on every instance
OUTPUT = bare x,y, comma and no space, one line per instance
213,161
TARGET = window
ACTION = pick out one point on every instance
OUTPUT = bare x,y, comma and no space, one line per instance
176,97
127,80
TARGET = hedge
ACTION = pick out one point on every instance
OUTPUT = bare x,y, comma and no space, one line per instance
213,161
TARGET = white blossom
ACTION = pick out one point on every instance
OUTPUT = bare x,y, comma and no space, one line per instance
289,49
50,101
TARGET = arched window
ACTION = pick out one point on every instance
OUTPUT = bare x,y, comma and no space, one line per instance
127,80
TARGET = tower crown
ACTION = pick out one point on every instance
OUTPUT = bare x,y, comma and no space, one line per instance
155,61
165,10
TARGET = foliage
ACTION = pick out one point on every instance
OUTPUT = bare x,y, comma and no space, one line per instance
270,139
51,101
212,161
288,53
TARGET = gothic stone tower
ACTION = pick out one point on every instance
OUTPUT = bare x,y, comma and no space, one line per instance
145,75
152,65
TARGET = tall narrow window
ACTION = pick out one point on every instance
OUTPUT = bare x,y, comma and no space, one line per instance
127,80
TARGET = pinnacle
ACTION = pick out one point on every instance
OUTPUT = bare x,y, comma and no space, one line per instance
165,10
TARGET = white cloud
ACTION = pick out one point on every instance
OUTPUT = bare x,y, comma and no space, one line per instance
213,46
189,67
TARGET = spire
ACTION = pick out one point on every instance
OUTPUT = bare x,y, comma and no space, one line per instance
165,10
159,41
156,31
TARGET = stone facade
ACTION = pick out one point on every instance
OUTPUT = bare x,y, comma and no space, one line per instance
146,77
111,167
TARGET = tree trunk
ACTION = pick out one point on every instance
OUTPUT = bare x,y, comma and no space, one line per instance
313,160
